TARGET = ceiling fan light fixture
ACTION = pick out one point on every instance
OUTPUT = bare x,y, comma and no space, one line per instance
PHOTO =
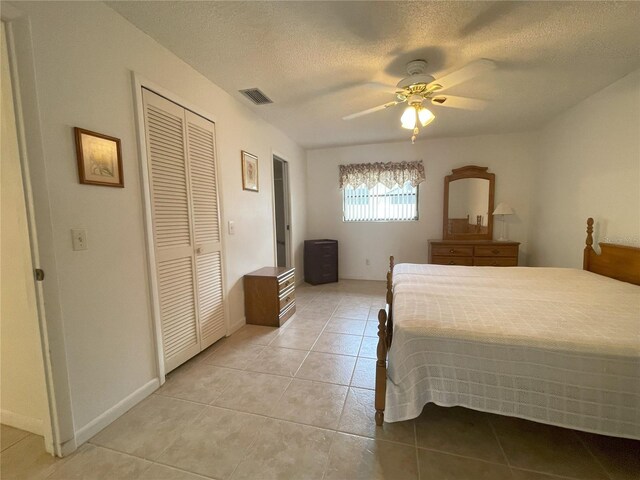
409,118
425,116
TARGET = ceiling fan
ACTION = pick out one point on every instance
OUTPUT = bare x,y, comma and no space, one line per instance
419,87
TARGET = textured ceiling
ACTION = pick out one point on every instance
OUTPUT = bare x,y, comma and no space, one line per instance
311,58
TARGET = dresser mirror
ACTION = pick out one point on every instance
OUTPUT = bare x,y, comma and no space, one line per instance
468,204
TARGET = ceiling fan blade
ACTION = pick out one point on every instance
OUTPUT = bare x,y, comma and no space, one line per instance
470,70
459,102
371,110
383,87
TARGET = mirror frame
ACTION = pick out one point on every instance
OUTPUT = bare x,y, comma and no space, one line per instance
470,171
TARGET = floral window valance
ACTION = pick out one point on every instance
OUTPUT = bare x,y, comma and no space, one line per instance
389,174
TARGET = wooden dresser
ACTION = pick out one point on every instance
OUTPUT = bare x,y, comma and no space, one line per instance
270,296
320,261
473,253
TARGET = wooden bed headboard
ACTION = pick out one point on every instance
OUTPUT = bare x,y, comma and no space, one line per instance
615,261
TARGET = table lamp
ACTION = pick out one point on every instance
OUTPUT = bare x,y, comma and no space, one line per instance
503,209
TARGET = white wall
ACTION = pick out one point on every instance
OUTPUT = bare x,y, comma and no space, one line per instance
23,395
84,54
511,157
589,166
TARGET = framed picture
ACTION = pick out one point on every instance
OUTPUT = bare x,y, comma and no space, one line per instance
99,159
249,171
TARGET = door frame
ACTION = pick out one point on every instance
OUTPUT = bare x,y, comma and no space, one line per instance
139,82
275,156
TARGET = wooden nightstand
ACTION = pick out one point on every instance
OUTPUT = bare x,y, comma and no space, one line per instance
270,296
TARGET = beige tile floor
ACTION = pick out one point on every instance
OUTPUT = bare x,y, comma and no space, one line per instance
297,403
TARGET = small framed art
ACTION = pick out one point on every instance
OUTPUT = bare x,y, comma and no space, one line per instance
249,172
99,159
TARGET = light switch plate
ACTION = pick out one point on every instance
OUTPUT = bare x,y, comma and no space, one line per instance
79,239
232,227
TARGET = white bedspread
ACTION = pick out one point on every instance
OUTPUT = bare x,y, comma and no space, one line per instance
559,346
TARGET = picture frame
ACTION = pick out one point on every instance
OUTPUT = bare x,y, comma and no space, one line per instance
99,159
249,172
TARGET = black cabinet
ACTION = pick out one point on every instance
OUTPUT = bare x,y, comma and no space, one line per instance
320,261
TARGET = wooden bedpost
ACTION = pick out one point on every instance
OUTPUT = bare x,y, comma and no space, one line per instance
385,333
381,367
389,336
589,245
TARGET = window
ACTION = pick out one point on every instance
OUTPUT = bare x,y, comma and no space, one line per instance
380,192
380,204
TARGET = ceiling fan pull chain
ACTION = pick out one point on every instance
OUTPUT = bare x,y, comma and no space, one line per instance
415,134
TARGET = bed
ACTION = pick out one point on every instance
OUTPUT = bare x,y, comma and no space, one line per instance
553,345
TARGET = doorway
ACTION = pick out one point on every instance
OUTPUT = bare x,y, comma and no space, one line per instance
281,209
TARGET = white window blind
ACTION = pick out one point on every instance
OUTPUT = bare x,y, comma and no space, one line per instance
380,192
380,204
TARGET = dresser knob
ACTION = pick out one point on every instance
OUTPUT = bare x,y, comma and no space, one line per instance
495,251
452,251
451,262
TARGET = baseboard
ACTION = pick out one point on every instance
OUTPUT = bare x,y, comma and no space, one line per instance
368,279
21,422
90,429
237,325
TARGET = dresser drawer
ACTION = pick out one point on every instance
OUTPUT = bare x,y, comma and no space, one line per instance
496,261
496,251
442,260
452,250
328,248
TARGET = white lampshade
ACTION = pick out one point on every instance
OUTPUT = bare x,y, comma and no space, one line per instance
503,209
408,118
425,116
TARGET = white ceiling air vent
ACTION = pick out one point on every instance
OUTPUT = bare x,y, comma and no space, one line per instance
256,96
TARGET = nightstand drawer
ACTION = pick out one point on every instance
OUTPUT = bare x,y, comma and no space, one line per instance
287,298
442,260
452,250
496,251
496,261
286,282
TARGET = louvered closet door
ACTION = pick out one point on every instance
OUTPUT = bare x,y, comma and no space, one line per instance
172,228
206,227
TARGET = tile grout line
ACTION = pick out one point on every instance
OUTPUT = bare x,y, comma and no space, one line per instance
466,457
157,462
19,440
497,437
513,467
584,444
248,450
327,461
415,441
550,475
